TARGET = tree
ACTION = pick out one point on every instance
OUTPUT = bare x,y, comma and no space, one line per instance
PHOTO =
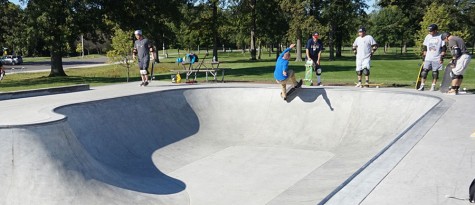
153,17
300,21
59,22
442,15
121,49
342,18
388,26
11,27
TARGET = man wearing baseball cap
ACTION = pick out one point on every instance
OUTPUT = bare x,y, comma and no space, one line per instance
434,50
142,49
364,48
314,49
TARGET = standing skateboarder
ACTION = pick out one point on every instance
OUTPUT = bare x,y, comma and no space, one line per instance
460,60
282,74
314,49
434,50
142,49
364,48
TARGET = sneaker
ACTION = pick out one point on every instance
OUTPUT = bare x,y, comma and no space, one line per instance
432,88
358,85
283,96
366,84
142,84
319,84
145,83
421,88
452,92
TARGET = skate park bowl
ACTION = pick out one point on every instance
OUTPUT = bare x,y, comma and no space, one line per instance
205,145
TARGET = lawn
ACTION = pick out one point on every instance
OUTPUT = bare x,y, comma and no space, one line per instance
392,70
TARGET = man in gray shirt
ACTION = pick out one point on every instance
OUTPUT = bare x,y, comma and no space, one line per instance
142,49
460,59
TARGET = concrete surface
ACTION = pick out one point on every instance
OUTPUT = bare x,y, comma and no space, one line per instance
43,91
235,144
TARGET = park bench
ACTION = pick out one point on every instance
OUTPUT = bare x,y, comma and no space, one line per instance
189,70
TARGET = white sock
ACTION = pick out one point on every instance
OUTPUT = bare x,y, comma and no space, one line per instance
318,79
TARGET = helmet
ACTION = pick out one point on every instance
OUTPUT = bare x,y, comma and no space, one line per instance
445,35
362,29
433,27
138,32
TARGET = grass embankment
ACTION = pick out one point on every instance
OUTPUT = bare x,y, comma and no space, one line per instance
392,70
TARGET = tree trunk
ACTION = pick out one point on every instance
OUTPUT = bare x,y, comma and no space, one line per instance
331,42
338,43
259,50
298,58
253,30
215,30
57,58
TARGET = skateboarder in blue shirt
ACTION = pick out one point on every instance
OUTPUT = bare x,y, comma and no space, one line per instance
314,50
282,74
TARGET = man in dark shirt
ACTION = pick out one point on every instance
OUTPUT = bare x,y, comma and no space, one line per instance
142,49
313,50
460,59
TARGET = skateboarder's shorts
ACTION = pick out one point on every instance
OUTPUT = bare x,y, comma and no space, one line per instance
143,65
290,75
434,65
462,64
362,64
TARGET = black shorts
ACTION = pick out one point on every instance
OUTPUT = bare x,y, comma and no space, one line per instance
143,64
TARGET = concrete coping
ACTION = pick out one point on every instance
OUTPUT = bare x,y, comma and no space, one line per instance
43,91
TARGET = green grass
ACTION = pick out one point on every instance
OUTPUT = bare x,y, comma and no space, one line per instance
390,69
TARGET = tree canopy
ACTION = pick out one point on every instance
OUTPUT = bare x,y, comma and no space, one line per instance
53,28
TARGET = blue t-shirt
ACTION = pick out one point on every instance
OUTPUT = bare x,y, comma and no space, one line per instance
281,66
314,47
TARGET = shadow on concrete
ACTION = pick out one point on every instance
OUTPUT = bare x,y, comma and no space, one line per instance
310,95
122,134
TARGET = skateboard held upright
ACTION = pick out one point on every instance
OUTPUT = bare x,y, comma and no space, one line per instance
419,79
308,73
447,80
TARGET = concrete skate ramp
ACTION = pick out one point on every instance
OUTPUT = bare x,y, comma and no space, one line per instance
203,146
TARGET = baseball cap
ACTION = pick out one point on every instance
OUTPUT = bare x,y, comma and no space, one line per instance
362,29
139,32
433,27
315,34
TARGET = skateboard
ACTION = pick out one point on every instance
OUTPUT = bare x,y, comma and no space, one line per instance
419,79
308,73
293,90
447,80
152,77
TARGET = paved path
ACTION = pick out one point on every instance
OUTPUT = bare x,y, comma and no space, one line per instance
46,65
236,144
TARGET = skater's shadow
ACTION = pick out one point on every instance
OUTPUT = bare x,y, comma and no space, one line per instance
310,95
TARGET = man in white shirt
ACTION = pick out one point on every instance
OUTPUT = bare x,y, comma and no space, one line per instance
364,47
434,50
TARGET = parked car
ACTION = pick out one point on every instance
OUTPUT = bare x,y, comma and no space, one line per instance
12,60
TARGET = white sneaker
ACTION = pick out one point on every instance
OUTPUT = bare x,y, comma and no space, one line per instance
432,88
421,88
358,85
